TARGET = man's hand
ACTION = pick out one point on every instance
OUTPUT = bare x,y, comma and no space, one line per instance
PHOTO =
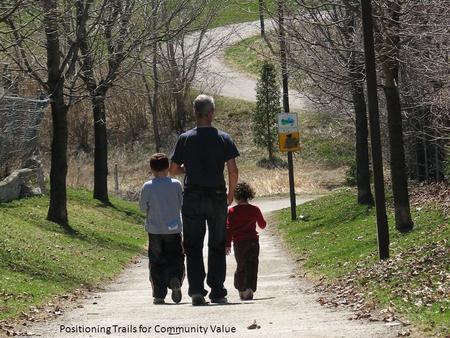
227,250
175,169
230,198
233,174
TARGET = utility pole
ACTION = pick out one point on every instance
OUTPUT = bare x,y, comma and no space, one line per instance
374,121
283,59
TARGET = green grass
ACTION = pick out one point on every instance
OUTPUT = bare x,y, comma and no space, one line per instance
324,143
247,55
38,260
339,237
238,11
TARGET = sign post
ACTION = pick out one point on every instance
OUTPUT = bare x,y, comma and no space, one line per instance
284,74
288,133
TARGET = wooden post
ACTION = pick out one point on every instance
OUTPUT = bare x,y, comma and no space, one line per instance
116,179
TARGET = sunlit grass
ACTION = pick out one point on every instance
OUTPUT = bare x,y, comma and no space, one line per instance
38,259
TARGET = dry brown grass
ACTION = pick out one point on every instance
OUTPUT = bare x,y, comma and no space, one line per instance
232,116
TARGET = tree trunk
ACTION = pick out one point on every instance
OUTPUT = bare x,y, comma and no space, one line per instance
154,107
365,196
180,111
356,72
261,18
57,211
403,221
101,149
269,135
152,99
389,56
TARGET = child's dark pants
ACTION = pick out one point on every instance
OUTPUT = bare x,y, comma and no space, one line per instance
166,261
246,253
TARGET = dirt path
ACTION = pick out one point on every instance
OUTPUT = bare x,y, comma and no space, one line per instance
227,80
285,305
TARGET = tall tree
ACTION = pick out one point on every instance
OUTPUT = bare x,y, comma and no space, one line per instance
357,76
26,45
111,37
267,108
326,58
389,48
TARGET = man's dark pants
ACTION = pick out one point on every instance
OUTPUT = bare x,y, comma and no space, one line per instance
166,261
246,253
199,207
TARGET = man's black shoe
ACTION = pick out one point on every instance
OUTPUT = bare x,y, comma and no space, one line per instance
222,300
198,300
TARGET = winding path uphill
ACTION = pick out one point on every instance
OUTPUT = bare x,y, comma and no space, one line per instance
215,73
284,306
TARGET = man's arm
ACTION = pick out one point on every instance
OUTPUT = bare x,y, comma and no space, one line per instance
233,175
175,169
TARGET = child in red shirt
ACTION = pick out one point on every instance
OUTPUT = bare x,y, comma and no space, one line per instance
241,229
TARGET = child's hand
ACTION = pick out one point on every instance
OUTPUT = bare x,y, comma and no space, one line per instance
227,250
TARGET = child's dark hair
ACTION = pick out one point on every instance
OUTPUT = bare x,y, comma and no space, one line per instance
159,162
244,192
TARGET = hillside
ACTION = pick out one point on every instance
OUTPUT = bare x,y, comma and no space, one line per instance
39,260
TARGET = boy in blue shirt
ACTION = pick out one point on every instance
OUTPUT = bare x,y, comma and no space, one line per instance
161,199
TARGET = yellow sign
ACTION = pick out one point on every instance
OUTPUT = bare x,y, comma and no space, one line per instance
289,142
288,134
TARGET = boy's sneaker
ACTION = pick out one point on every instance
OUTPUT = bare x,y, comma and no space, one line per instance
222,300
175,286
158,301
198,300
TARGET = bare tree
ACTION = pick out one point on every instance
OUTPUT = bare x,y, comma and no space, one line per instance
26,44
388,48
177,58
7,9
326,57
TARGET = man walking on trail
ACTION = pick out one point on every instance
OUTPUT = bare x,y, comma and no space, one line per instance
201,153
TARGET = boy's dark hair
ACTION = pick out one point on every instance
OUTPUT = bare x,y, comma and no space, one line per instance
159,162
244,192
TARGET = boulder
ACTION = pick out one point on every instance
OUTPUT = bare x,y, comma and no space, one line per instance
21,183
10,187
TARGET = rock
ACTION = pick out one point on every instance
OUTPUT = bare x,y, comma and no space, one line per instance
10,187
21,183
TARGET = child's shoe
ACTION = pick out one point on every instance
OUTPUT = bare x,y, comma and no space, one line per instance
175,286
158,301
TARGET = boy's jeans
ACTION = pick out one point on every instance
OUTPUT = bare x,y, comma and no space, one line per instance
166,261
200,207
246,253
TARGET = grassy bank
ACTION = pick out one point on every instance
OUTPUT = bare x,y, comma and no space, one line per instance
38,260
338,241
237,11
248,55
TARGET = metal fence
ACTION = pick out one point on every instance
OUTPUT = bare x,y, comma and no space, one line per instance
20,119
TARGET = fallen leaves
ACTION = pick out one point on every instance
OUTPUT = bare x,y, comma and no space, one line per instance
254,326
427,265
428,194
